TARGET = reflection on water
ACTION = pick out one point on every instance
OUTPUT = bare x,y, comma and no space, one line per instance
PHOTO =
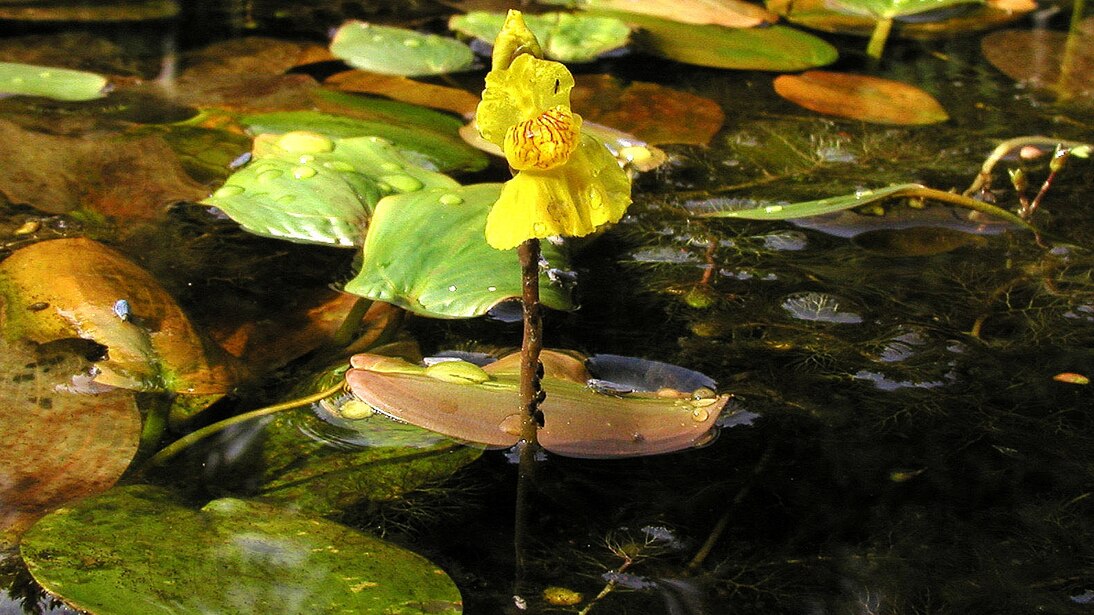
903,447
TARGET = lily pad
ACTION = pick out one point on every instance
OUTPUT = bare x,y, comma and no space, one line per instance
824,16
138,550
78,288
427,137
426,252
51,82
397,51
775,48
305,187
728,13
583,417
92,434
861,97
565,37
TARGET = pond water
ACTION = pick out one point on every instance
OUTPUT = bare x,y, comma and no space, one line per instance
902,438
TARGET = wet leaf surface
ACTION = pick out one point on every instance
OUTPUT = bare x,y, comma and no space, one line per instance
60,438
78,288
579,421
565,37
460,102
651,112
304,187
776,48
50,82
131,178
895,8
821,15
138,549
861,97
426,252
398,51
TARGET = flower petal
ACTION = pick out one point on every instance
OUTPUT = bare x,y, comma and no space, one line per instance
571,200
514,40
543,142
525,90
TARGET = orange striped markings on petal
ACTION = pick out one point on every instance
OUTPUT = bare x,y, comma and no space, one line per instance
543,142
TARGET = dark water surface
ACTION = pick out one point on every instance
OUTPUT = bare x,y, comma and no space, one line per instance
911,453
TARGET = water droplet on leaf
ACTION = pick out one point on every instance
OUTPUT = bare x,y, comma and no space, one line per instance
304,172
450,199
228,190
402,183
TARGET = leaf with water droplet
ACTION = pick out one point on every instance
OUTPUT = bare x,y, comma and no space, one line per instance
564,37
398,51
578,420
326,200
156,348
50,82
426,251
728,13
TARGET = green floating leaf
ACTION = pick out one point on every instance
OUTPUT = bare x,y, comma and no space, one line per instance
429,138
138,550
304,187
859,198
564,37
427,252
78,288
397,51
56,83
894,8
349,455
92,436
583,417
776,48
729,13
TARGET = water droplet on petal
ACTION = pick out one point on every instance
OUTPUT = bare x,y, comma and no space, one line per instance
304,172
450,199
402,183
511,424
228,190
699,415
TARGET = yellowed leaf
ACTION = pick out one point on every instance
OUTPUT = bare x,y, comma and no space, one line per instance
406,90
871,99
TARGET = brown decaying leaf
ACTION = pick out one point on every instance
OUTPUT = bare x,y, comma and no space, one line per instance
78,288
56,444
870,99
247,75
817,15
89,11
578,422
133,179
406,90
728,13
1036,57
652,112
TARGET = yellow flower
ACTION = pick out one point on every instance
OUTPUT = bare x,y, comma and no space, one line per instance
567,183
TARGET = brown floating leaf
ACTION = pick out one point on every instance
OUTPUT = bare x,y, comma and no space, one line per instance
818,15
132,10
78,288
57,443
406,90
247,74
578,421
654,113
134,179
1038,57
870,99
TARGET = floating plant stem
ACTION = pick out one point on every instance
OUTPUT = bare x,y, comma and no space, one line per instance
344,335
878,38
170,451
983,179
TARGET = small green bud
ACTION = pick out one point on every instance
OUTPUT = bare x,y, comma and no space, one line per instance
1018,179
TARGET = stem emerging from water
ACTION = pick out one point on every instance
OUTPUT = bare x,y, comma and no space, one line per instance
530,393
876,46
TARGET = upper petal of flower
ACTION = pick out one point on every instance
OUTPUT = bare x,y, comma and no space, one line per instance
524,91
515,39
